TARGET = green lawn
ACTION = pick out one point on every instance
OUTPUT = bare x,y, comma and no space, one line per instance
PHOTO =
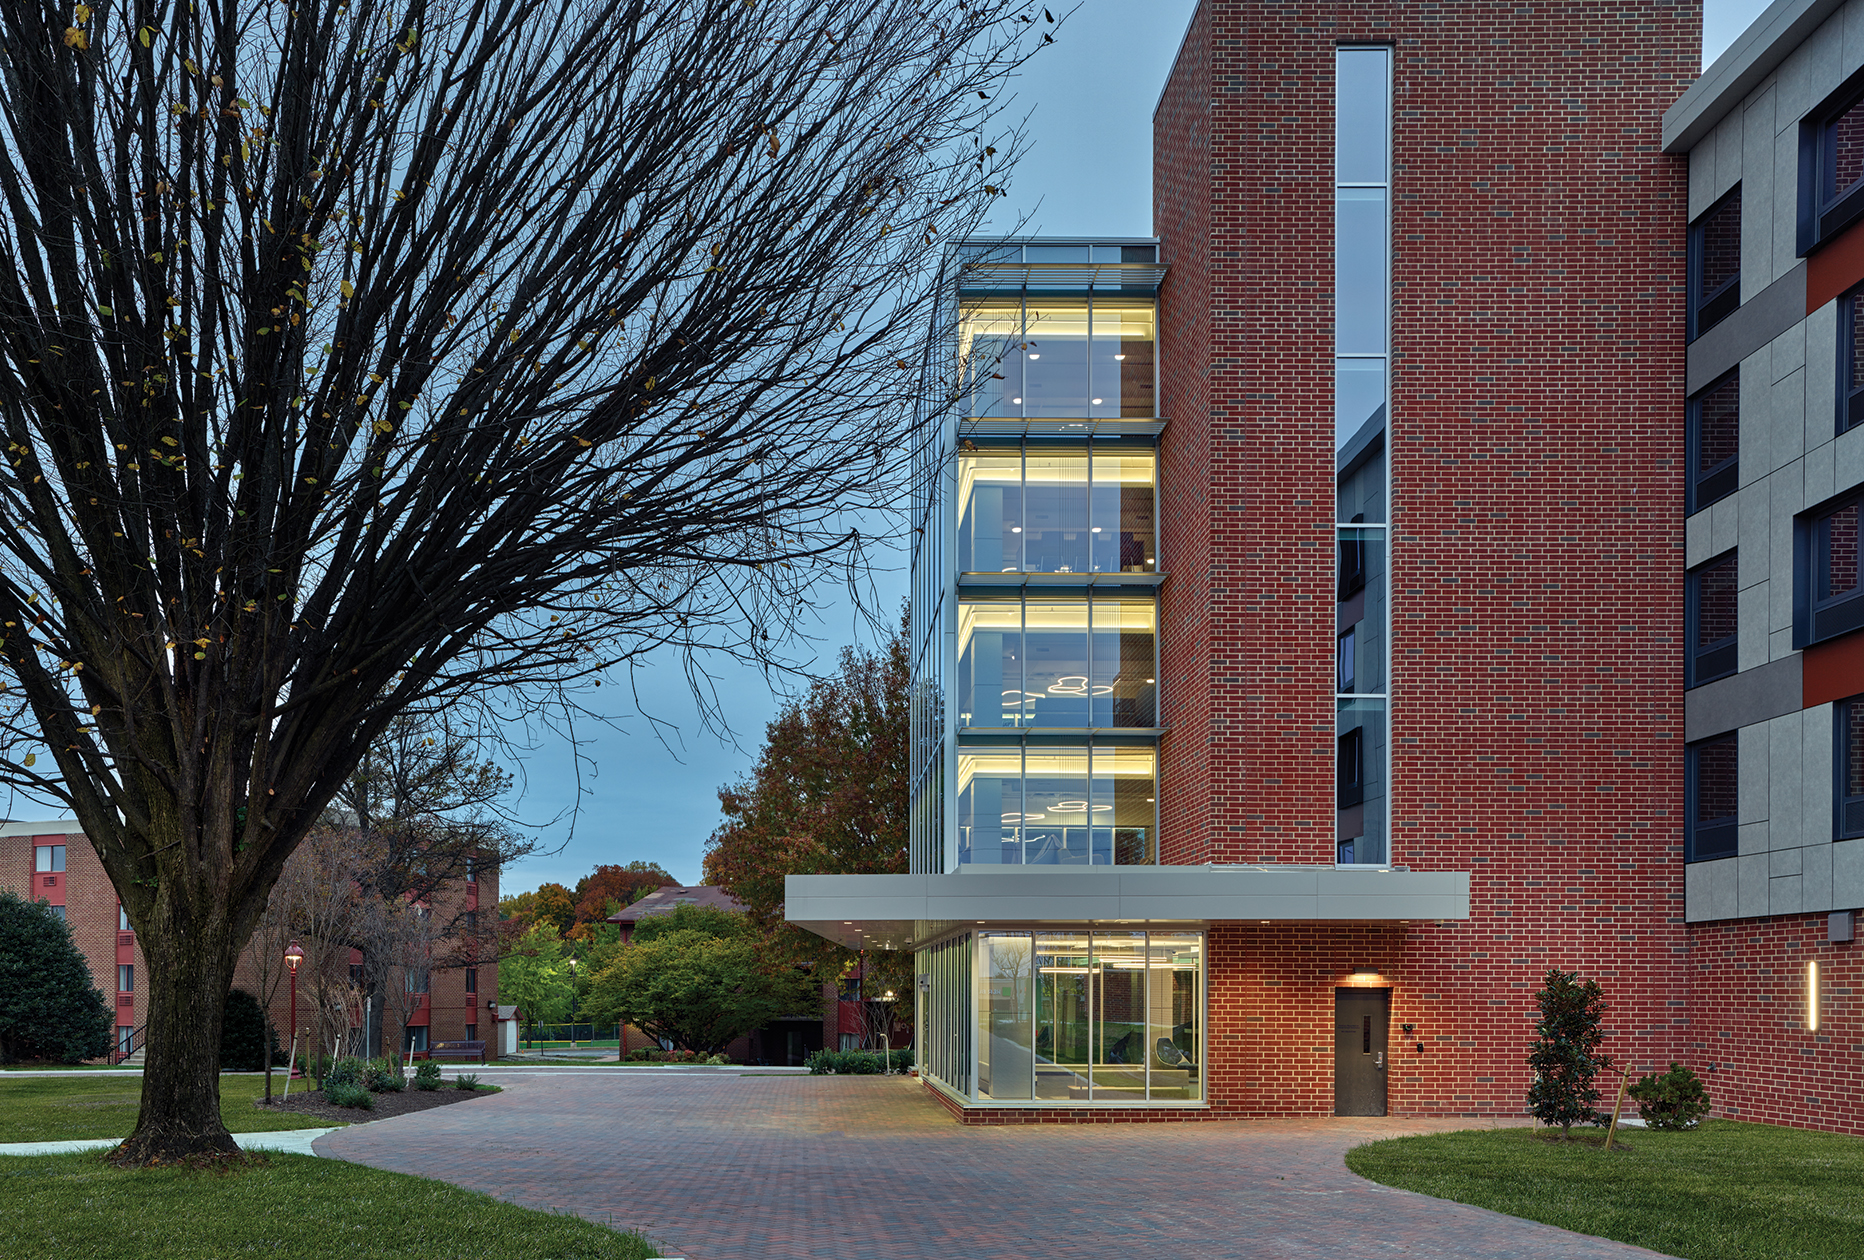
1726,1191
77,1207
56,1109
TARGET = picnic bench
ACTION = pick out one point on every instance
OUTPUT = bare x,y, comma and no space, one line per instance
461,1050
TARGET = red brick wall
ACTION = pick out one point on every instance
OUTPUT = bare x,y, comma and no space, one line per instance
1536,448
1747,1035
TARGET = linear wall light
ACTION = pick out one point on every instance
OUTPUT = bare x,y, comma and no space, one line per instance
1812,997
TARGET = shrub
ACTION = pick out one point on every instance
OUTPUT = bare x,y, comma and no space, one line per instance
716,1060
427,1074
1565,1055
1675,1100
845,1062
467,1081
245,1035
348,1094
383,1076
344,1072
48,1007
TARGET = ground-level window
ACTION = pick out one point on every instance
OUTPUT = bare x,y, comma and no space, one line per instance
126,1038
1077,1017
1712,774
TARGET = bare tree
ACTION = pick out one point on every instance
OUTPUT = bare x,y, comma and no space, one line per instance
397,939
357,357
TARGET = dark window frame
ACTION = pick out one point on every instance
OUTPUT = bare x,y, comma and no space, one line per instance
1720,836
1847,811
1850,393
472,981
1707,309
1814,619
1702,489
1822,218
126,977
1720,659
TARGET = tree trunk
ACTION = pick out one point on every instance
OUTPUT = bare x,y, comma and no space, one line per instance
189,975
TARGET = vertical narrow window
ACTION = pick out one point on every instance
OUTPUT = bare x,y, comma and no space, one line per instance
1711,774
1362,238
1850,361
122,919
472,982
1714,440
1850,769
1351,770
1710,622
126,978
1715,264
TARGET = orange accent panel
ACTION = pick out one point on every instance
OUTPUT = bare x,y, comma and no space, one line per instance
1833,670
1835,267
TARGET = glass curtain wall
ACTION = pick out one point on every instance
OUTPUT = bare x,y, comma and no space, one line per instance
944,1024
1086,354
1102,1017
1362,295
1029,660
1056,508
1070,804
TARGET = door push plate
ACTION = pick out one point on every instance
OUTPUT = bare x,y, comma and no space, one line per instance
1378,1059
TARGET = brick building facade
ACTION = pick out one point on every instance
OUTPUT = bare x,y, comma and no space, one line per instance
53,862
1452,665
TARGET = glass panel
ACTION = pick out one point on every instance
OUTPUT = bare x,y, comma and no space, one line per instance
1721,246
990,511
1360,820
1362,115
1119,1033
1125,778
1360,248
1346,662
1121,534
1056,686
1838,552
1055,253
1360,610
990,350
1362,494
990,679
1358,395
1122,358
1716,781
990,805
1718,425
1055,359
1055,807
1715,605
1846,139
1121,684
1062,967
1056,537
1005,1015
1172,1004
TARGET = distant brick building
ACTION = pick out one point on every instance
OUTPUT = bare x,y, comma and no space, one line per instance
53,862
1326,613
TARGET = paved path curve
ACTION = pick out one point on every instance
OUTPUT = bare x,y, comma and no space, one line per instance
722,1166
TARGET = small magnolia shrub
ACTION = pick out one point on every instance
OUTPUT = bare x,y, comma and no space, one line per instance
382,1076
348,1095
467,1081
427,1074
1675,1100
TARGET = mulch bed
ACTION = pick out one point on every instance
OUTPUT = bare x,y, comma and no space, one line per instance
311,1103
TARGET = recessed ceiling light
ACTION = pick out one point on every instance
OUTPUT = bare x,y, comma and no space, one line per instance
1034,355
1015,400
1016,529
1119,358
1097,402
1096,529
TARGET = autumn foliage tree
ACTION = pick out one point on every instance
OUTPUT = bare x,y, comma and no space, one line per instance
614,886
827,796
360,357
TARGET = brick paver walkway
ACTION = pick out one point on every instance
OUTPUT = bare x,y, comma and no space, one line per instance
729,1167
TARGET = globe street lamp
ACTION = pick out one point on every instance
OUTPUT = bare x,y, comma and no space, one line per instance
294,954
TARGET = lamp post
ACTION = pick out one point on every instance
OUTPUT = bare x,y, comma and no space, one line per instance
294,954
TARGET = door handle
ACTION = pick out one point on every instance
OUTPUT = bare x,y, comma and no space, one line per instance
1378,1059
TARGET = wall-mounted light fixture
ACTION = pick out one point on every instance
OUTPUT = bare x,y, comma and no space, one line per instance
1365,973
1812,997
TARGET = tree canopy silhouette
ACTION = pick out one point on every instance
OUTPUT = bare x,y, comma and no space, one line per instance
356,357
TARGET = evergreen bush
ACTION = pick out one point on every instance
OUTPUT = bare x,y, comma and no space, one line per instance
344,1072
245,1035
49,1007
1675,1100
383,1076
427,1074
468,1081
845,1062
348,1094
1565,1055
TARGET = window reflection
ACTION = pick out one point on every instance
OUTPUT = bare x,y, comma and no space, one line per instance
1056,509
1055,355
1360,249
1056,662
1056,805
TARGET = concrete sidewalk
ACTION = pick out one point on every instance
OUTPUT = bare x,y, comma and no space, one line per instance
289,1141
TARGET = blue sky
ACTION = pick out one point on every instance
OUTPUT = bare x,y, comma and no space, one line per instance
1089,98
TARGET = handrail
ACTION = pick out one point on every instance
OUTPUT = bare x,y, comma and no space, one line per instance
122,1052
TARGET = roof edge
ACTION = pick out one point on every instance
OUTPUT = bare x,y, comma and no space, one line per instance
1756,53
